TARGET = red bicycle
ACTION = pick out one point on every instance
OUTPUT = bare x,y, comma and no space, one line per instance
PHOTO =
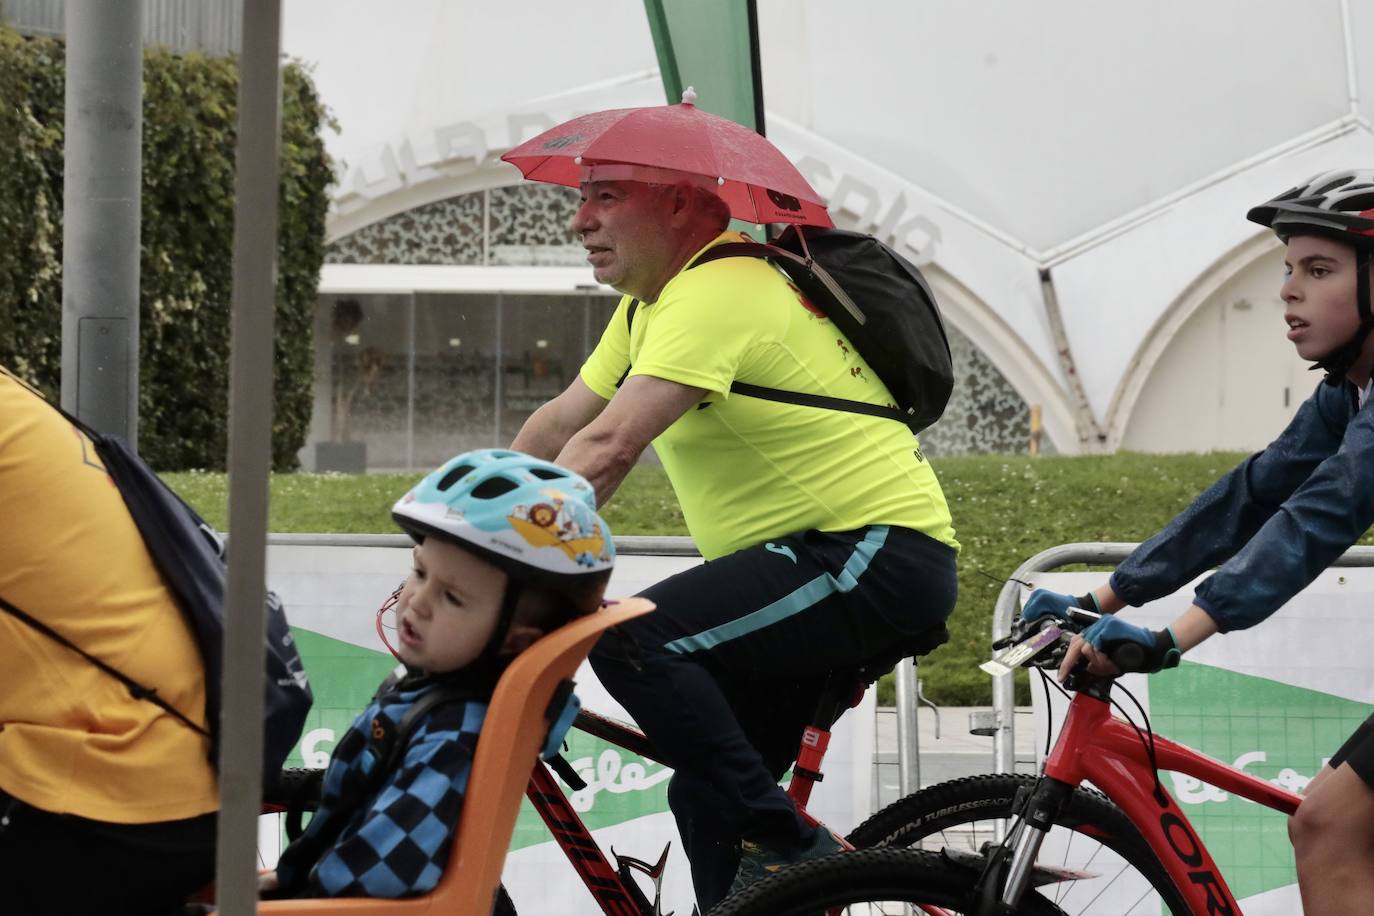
1127,849
893,880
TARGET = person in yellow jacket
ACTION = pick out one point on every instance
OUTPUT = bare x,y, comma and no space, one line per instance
107,802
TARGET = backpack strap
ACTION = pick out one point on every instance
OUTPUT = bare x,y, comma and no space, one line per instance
804,399
790,262
629,327
136,690
390,743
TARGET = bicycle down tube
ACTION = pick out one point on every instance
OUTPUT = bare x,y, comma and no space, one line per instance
1096,747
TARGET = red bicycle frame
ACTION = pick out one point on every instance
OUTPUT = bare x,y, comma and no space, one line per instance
1095,746
602,879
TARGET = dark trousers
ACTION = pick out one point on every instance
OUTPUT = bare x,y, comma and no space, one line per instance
730,666
63,865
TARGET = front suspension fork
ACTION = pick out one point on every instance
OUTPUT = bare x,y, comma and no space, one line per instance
1008,870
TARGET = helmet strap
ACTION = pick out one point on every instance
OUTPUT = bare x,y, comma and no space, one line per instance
505,617
1338,362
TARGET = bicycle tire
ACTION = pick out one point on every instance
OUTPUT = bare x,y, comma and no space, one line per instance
961,813
865,881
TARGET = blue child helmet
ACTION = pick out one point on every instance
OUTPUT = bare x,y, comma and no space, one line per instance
532,518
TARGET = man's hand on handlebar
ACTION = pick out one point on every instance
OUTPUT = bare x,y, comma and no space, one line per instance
1112,646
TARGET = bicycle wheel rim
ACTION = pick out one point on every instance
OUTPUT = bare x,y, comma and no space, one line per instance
1094,836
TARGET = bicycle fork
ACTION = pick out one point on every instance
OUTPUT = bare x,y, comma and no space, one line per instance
1009,867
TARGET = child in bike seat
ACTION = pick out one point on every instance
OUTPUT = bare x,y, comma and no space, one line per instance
1280,518
507,548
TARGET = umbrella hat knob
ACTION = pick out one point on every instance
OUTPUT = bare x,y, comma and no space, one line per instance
689,96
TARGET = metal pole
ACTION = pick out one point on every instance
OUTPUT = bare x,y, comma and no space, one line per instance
101,213
908,732
250,453
640,545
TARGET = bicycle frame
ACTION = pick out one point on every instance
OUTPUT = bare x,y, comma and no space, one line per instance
1095,746
619,896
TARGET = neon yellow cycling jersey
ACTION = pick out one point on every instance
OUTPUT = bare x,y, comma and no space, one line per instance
747,469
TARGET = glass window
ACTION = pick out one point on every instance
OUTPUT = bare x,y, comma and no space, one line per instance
543,344
455,374
364,369
407,382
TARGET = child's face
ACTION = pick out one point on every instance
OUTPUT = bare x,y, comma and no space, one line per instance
448,608
1319,291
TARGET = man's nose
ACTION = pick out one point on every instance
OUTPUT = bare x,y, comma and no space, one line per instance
582,220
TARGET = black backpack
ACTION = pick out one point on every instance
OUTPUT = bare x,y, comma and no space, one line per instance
190,556
881,303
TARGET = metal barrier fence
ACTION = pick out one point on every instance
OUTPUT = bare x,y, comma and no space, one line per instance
1107,553
908,742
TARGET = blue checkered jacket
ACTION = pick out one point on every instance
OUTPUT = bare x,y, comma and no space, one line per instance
1276,521
389,839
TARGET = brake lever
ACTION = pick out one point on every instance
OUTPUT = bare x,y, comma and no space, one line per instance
1007,660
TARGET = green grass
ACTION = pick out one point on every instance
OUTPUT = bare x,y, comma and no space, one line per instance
361,504
1006,509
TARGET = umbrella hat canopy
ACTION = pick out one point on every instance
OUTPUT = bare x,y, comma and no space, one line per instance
751,175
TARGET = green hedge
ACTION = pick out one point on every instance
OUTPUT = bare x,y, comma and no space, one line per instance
189,135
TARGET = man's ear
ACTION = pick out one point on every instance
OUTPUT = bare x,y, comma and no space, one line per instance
520,637
683,203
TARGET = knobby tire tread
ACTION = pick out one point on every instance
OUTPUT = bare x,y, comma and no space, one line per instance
862,876
960,801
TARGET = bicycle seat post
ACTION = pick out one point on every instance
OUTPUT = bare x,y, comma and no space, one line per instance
842,690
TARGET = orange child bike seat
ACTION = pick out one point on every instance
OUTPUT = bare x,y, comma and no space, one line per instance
514,731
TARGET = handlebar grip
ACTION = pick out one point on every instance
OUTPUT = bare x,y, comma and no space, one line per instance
1128,656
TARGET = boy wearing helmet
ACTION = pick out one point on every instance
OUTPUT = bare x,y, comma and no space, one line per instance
507,548
1280,518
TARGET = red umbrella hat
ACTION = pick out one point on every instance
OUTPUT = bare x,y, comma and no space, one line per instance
650,144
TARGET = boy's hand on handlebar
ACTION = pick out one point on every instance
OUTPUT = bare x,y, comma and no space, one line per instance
1044,603
1112,646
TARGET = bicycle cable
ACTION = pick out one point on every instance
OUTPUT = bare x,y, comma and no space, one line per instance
1149,744
1045,681
1147,737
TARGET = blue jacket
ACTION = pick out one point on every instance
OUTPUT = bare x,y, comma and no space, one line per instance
1275,522
394,839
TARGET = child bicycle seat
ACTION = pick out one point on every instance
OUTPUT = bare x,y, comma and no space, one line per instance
515,731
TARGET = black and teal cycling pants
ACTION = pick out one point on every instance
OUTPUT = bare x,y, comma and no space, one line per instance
731,664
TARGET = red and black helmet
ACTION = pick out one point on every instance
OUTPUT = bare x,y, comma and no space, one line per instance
1338,205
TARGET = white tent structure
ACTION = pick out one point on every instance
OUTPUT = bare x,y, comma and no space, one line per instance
1072,176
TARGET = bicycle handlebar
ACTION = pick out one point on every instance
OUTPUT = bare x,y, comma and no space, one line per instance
1043,643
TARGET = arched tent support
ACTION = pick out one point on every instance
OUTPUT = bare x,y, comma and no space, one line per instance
360,212
1022,369
1162,334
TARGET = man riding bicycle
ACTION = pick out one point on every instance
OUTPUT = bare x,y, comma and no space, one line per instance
1280,518
827,537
